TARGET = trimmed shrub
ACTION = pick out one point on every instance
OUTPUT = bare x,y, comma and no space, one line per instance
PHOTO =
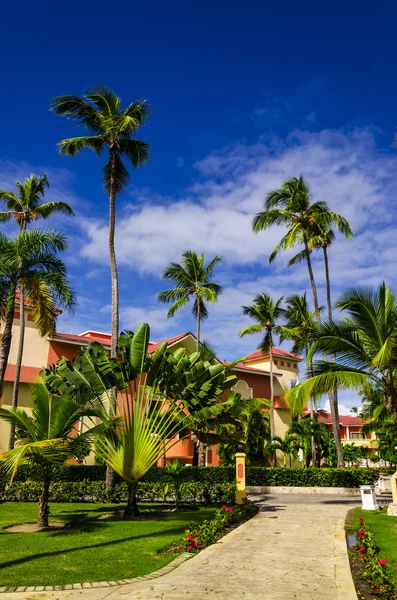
348,477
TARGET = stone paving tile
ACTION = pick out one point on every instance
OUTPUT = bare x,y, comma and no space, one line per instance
292,550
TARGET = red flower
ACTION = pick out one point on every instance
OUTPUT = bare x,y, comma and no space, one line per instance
190,548
375,591
195,544
190,538
360,519
361,549
382,562
361,533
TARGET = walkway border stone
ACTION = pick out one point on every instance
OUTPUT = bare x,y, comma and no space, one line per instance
284,489
102,584
343,576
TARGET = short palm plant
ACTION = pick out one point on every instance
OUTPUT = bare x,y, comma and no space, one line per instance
110,128
192,280
266,314
287,445
44,439
31,262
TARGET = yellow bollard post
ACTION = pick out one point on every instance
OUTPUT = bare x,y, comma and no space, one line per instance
240,477
393,482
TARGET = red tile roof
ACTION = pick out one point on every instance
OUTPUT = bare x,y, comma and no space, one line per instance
343,419
105,339
154,345
276,352
82,339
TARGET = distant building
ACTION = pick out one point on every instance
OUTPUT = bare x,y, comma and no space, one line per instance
253,377
350,428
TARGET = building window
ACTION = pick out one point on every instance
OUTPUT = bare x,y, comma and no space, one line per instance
275,362
282,363
357,435
288,364
295,365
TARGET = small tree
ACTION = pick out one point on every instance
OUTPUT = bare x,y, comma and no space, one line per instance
46,439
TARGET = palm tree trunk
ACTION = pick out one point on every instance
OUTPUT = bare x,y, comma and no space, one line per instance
18,365
312,282
112,256
272,433
7,336
310,371
202,454
131,510
333,396
110,475
44,509
198,324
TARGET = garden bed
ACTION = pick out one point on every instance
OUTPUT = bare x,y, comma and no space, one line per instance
372,542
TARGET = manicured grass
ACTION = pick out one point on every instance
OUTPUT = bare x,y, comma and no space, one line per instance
384,529
87,549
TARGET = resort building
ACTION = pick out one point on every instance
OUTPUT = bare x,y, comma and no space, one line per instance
350,428
253,376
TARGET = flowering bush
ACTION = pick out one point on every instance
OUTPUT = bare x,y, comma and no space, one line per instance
201,536
375,569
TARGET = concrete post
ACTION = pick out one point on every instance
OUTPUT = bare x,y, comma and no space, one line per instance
240,477
393,483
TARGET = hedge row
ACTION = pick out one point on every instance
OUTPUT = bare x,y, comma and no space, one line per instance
95,491
208,476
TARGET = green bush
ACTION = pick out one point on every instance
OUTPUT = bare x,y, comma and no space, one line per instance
352,477
201,480
95,491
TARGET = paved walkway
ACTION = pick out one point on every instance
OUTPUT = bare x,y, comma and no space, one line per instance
294,549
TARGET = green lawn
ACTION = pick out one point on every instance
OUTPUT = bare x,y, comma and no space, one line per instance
385,530
87,549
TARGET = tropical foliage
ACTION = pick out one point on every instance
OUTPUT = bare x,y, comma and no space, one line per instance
265,312
192,280
364,342
110,128
46,439
31,262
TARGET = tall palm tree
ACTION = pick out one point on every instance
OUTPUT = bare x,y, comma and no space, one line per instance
30,261
292,207
110,128
266,313
24,207
365,344
192,280
45,439
300,327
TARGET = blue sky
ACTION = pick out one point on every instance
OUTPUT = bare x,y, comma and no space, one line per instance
243,96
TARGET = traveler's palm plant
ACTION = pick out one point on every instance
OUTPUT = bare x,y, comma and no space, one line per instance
46,438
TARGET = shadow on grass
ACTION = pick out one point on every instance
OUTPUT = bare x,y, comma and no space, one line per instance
37,556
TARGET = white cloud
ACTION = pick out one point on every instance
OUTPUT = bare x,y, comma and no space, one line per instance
343,408
215,213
